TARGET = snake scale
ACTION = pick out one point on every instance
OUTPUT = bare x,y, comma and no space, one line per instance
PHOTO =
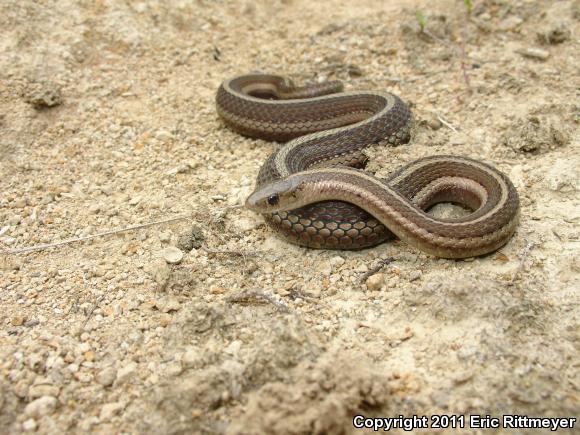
313,191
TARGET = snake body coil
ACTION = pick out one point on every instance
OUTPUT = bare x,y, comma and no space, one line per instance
312,191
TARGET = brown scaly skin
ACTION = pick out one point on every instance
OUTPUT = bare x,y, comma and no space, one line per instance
329,130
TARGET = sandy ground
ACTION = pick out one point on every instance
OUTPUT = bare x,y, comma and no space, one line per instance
107,121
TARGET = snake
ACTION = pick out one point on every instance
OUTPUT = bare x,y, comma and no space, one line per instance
313,189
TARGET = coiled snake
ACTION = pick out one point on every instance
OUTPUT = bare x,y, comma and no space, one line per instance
312,189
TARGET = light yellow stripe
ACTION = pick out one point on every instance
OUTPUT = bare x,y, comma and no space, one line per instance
377,182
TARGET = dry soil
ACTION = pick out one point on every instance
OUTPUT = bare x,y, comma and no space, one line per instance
209,323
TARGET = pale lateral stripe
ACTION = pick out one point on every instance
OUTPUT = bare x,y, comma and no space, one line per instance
403,199
429,160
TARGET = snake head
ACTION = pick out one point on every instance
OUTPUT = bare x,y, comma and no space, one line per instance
278,195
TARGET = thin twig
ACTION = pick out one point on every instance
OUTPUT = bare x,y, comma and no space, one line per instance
92,310
463,67
446,123
260,296
460,51
363,278
94,236
231,252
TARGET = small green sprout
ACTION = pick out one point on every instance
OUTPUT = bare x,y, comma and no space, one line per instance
421,20
469,5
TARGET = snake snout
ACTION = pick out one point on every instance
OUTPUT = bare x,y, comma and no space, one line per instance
276,196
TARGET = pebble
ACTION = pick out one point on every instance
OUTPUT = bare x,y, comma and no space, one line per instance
375,282
362,268
20,203
164,320
14,220
94,208
29,425
190,358
44,96
434,123
86,424
325,268
562,176
172,255
354,71
36,391
216,289
20,389
47,199
534,53
174,369
84,377
159,271
245,224
89,355
316,292
165,237
163,135
107,376
109,410
337,261
415,275
167,305
510,23
126,373
41,406
18,320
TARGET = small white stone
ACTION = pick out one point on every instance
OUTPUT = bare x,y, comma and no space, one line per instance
190,357
29,425
107,376
126,373
174,369
135,200
86,424
41,390
41,406
159,271
337,261
164,135
375,282
362,268
20,203
534,53
325,268
415,275
165,237
248,223
168,305
47,199
108,410
172,255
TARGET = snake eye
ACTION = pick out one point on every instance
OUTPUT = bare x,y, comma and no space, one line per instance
273,199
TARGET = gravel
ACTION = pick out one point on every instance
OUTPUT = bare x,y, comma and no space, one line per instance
210,322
